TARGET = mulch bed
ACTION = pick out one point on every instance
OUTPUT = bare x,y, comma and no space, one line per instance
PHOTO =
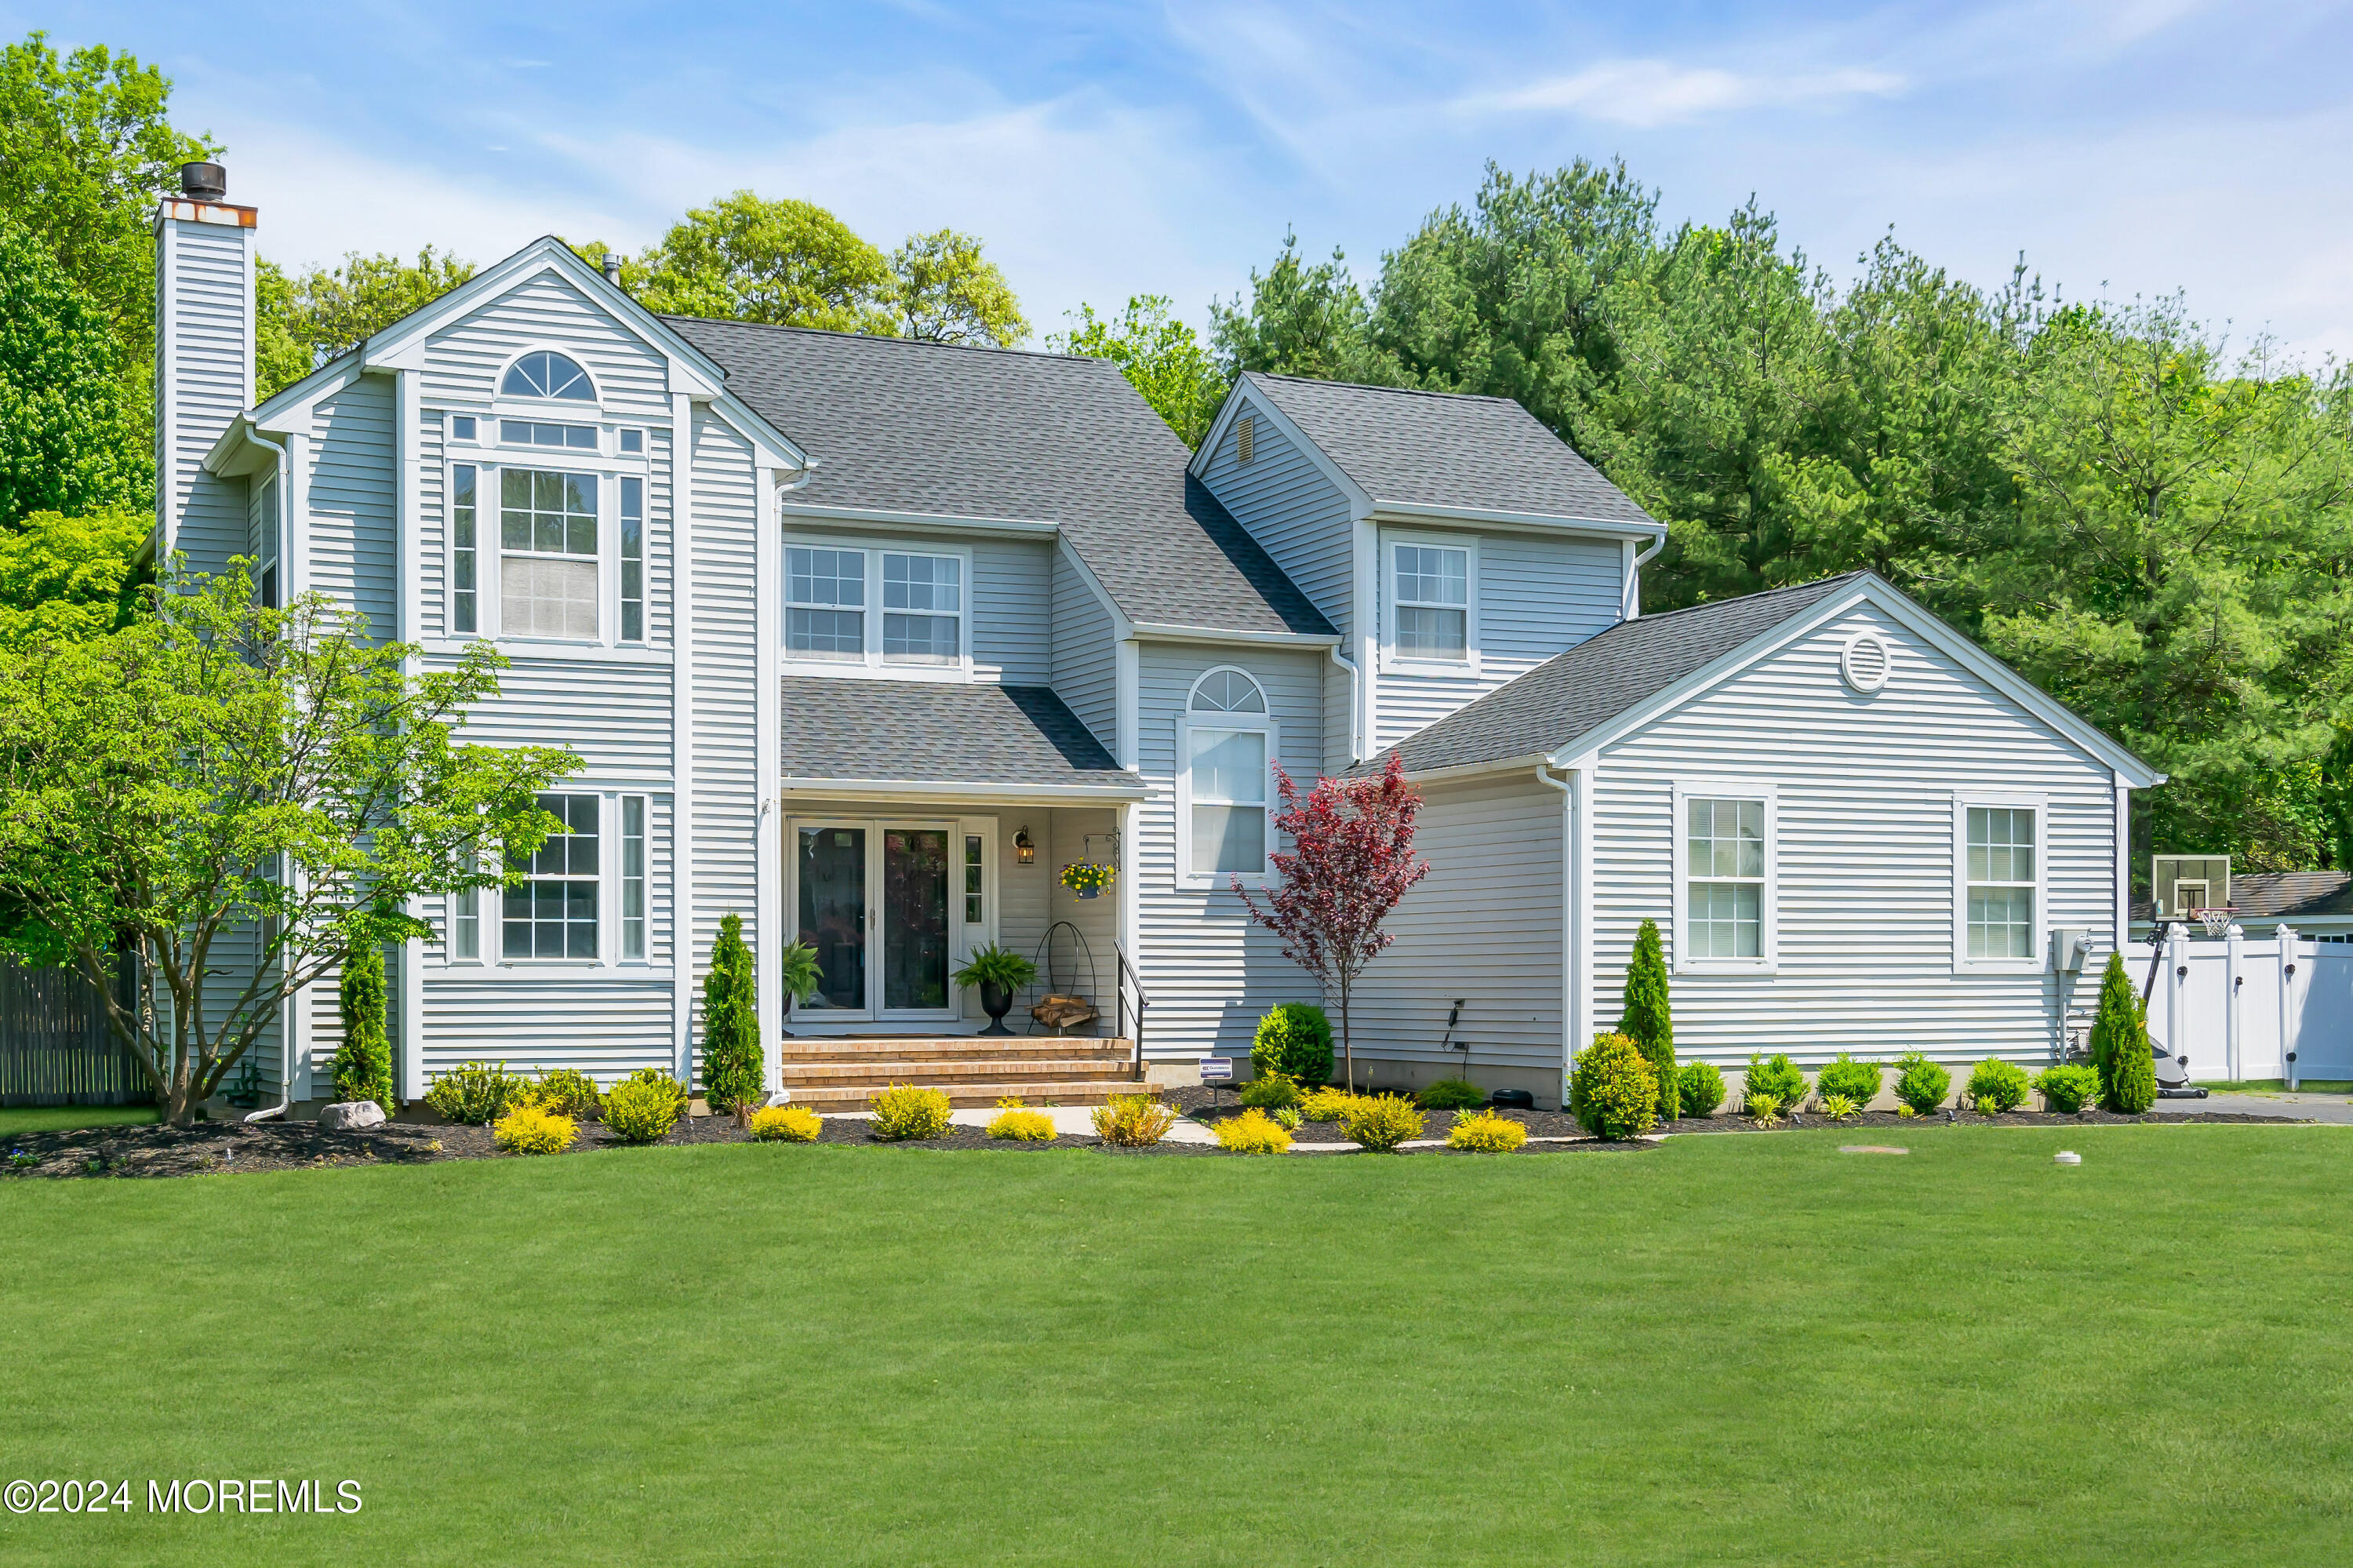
213,1148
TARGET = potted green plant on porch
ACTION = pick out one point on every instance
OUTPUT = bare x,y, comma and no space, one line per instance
998,972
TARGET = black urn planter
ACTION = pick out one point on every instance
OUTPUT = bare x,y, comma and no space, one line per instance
997,1000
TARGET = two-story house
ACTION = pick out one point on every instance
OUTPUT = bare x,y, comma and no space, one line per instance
866,640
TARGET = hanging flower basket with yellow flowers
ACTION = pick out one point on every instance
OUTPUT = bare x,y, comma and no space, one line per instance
1087,879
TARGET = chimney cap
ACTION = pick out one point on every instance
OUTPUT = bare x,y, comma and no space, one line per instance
203,182
613,268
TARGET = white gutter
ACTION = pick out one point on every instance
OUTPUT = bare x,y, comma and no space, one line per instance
285,1034
801,476
1169,631
1567,912
944,789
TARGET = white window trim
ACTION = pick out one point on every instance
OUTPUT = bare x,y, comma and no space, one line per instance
1688,790
960,937
1387,558
871,665
526,400
491,962
489,548
608,893
2038,959
1219,882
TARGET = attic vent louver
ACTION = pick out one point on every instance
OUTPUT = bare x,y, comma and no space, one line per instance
1866,662
1246,437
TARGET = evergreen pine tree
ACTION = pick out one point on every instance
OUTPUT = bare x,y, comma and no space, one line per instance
2120,1044
364,1060
733,1069
1646,1020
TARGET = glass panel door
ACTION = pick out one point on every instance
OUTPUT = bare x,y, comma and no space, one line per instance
914,920
832,913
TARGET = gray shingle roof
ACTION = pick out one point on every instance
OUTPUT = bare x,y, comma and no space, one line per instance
899,426
1577,691
939,732
2287,896
1441,449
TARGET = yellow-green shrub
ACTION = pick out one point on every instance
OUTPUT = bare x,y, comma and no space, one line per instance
1381,1122
1252,1132
1327,1105
568,1092
1269,1090
903,1111
1613,1090
527,1130
1026,1125
790,1124
1487,1132
1132,1121
640,1111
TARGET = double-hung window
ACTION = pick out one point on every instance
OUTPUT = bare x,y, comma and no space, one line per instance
2000,882
547,553
1430,602
1725,863
1225,745
825,603
552,914
923,609
877,608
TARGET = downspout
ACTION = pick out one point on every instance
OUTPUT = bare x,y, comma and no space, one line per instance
285,1034
1567,916
1355,704
1630,603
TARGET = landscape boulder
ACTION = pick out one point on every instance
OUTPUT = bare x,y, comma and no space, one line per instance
350,1116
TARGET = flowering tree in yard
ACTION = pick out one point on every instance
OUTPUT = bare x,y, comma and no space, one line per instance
1350,861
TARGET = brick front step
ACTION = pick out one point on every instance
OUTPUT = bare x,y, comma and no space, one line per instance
877,1073
822,1097
805,1048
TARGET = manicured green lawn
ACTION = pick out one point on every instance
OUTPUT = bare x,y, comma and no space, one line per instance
15,1120
1730,1350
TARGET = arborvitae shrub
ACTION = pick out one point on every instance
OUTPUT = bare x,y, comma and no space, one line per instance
1699,1088
364,1062
1998,1083
1450,1094
1858,1081
2120,1044
1775,1075
1921,1084
733,1071
1647,1021
1611,1089
1269,1090
639,1111
1253,1133
1381,1122
903,1111
1294,1040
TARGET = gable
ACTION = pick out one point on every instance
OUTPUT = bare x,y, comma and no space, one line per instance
463,358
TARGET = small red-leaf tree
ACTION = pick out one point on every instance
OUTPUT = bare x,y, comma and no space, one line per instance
1350,861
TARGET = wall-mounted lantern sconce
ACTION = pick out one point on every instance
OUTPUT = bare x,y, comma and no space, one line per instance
1023,850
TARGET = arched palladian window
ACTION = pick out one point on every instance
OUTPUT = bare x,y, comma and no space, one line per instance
546,375
1225,744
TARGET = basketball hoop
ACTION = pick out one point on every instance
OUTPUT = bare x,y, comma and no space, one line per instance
2217,922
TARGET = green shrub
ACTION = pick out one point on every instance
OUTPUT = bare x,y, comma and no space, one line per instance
1858,1081
1452,1094
1269,1090
475,1093
659,1078
528,1129
567,1092
1381,1122
1486,1132
1328,1104
2069,1088
1699,1088
364,1062
993,965
1646,1019
1778,1077
1921,1084
903,1111
1762,1110
2000,1084
1839,1107
733,1072
789,1124
1253,1133
1022,1125
1286,1117
1294,1040
2120,1044
640,1111
1134,1121
1612,1092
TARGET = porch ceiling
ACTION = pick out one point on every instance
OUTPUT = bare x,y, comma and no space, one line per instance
976,735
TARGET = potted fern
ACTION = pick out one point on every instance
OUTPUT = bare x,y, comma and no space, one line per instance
998,972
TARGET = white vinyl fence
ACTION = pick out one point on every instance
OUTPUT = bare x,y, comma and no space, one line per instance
2238,1007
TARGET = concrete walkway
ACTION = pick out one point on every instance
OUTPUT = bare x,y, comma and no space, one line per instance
2265,1102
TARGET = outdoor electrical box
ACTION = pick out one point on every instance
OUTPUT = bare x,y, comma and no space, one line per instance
2071,948
2181,884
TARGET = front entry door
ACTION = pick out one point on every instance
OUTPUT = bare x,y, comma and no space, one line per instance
872,898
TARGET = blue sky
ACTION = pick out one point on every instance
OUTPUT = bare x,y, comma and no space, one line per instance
2137,147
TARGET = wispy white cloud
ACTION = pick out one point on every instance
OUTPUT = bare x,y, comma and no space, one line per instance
1645,93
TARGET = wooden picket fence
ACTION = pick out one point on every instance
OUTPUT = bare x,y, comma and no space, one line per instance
54,1049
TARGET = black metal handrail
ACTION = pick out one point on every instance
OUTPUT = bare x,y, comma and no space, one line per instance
1129,977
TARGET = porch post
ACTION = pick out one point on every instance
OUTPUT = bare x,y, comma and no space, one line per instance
767,773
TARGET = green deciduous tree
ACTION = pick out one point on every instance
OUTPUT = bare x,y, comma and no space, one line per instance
305,320
1160,355
733,1072
943,290
71,440
70,578
364,1060
240,797
1646,1020
785,262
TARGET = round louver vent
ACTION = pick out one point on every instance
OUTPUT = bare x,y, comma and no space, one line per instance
1867,661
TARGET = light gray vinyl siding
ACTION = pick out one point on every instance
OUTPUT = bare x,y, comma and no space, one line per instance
1211,973
615,716
1865,789
1085,659
204,372
725,759
1009,635
350,530
1302,519
1483,927
463,361
605,1025
1538,596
